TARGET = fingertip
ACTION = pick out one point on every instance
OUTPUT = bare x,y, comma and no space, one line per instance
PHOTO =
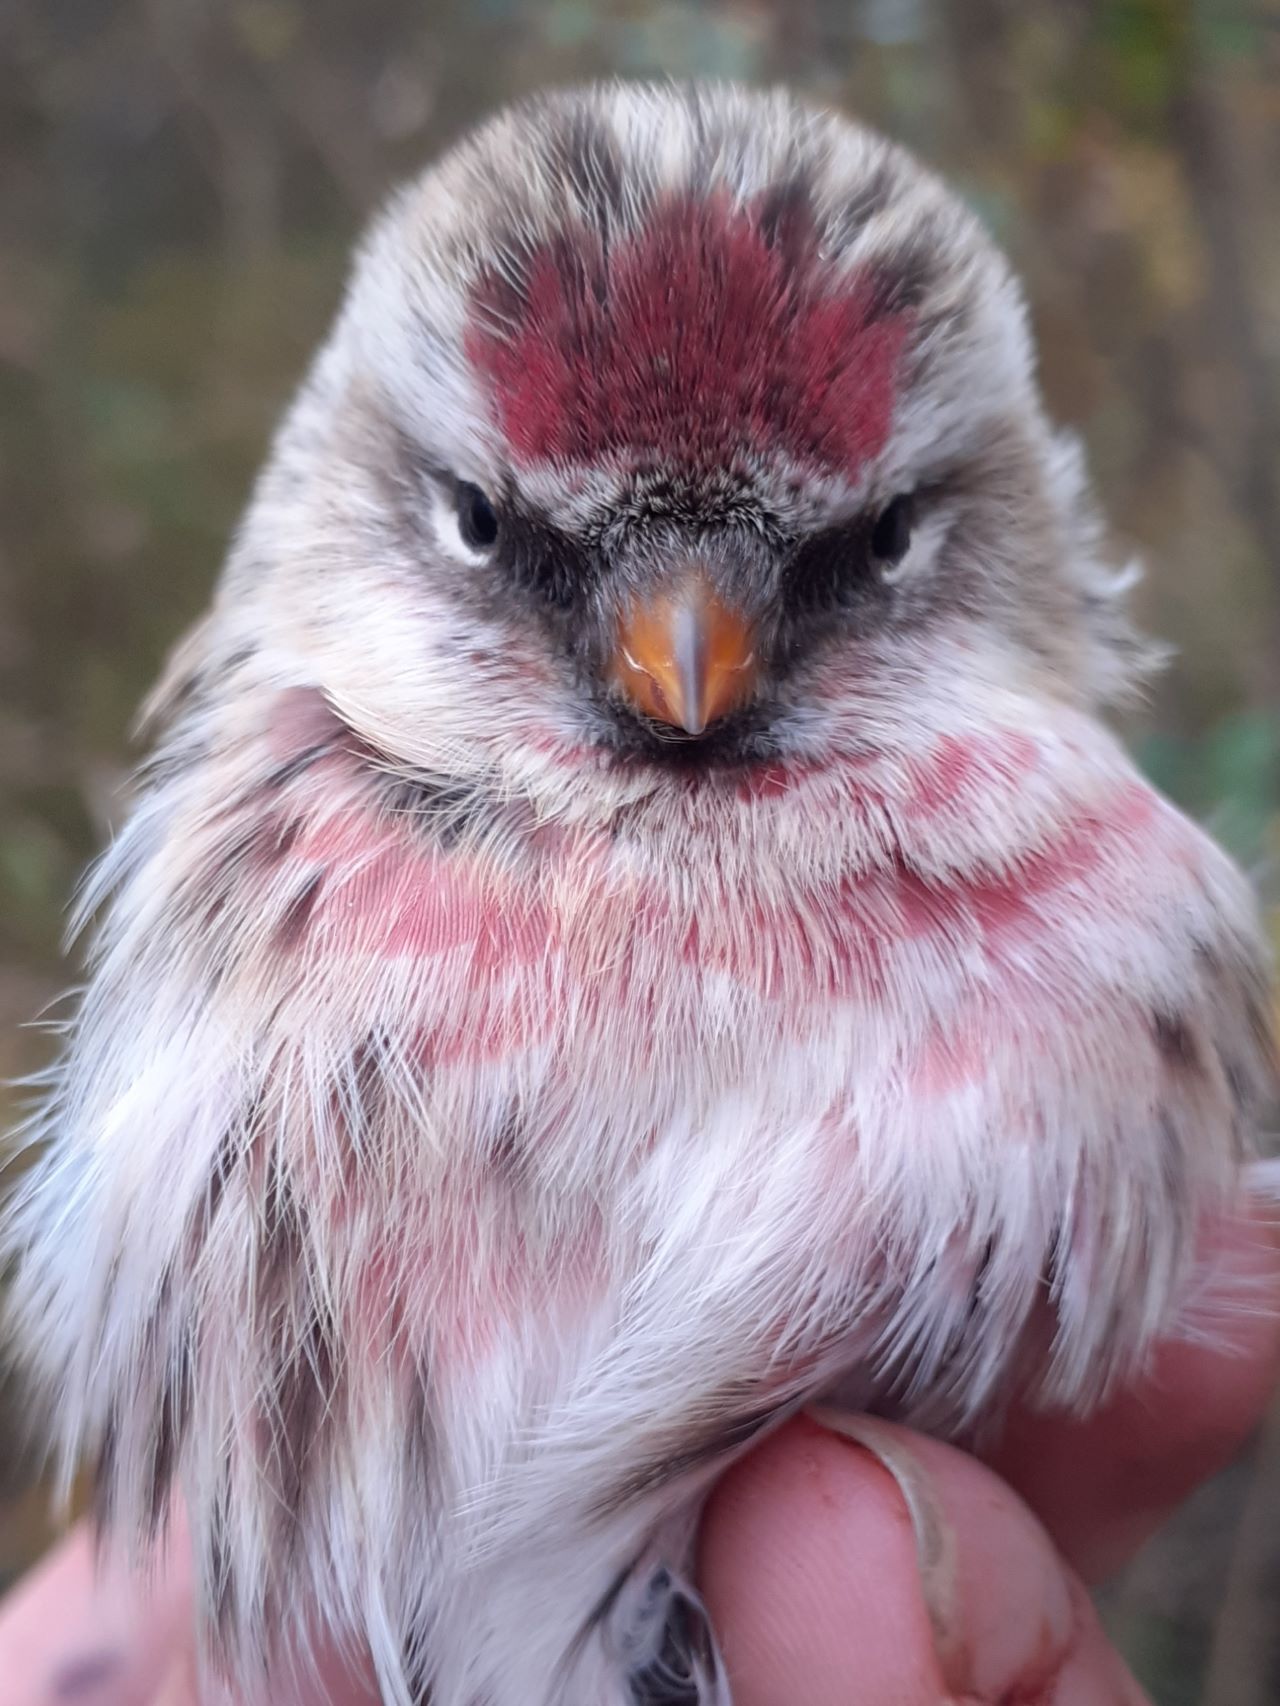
177,1686
810,1566
1102,1485
80,1627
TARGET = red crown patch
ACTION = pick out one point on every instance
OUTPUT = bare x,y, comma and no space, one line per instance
706,338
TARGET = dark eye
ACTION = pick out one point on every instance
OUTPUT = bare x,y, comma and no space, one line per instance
891,535
477,518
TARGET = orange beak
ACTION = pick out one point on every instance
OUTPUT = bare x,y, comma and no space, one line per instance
684,657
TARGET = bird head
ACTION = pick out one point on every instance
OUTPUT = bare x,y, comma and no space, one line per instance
671,428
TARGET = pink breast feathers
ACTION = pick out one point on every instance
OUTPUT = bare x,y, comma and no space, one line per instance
707,339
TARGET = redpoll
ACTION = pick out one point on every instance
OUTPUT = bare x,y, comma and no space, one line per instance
633,923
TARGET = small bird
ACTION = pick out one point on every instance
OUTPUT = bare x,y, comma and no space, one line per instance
633,924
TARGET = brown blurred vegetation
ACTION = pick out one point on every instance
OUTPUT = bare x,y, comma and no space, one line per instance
179,184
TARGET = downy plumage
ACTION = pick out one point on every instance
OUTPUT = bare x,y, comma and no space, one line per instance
503,1091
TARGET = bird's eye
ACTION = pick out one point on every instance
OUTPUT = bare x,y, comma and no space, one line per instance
477,518
891,535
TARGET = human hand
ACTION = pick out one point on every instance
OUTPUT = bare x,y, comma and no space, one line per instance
811,1562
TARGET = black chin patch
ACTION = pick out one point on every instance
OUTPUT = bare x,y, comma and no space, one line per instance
745,737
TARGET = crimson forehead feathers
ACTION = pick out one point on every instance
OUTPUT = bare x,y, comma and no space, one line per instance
714,336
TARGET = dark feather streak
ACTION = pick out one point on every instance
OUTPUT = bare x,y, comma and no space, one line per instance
296,764
699,1445
302,1388
173,1416
297,915
1174,1040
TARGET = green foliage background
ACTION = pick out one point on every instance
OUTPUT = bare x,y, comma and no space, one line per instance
179,184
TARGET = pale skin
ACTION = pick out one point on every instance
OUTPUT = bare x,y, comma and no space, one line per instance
809,1560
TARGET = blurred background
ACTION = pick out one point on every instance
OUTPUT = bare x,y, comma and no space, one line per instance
180,181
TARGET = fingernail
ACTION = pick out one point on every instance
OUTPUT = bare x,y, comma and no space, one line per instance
934,1537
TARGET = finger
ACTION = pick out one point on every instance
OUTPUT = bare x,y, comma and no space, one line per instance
178,1685
1101,1486
810,1569
74,1635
